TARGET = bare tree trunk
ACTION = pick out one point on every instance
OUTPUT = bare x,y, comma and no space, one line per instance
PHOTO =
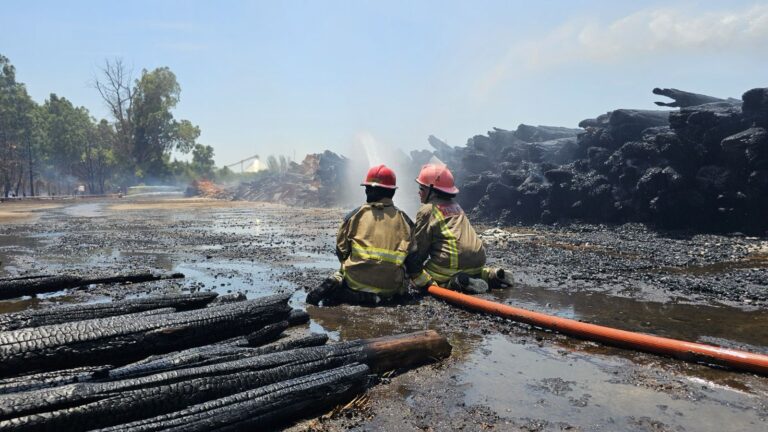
18,183
115,89
31,171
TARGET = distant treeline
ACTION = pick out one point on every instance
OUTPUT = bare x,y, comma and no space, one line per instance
56,148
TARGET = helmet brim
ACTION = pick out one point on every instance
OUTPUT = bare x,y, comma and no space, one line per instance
374,184
453,190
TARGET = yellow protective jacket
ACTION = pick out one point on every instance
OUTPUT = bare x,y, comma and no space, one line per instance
443,236
372,244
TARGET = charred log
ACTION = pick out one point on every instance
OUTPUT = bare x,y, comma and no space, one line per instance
121,338
228,298
686,99
92,405
297,317
19,278
35,285
267,334
52,379
314,339
57,315
266,405
210,354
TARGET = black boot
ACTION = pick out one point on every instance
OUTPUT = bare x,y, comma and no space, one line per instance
458,282
498,278
462,282
324,291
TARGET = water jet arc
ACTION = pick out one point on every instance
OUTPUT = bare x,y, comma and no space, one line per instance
688,351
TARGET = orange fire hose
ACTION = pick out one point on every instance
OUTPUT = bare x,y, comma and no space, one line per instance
688,351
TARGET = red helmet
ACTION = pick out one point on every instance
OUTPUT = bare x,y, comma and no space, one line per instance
438,177
380,176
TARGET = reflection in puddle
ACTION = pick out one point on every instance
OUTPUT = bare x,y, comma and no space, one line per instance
19,305
524,381
357,322
679,321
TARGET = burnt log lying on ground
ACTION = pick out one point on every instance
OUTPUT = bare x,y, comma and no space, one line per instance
261,407
84,406
703,167
227,298
20,278
123,338
79,312
31,285
209,354
52,379
227,350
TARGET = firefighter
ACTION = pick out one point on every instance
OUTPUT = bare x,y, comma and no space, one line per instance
451,252
372,245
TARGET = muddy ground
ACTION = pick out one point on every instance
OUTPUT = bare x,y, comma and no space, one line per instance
502,375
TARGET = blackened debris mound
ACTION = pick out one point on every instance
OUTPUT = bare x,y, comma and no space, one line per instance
316,182
703,167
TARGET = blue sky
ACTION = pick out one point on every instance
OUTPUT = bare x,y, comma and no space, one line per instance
285,77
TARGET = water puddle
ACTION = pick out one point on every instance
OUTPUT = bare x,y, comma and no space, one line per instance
306,260
224,277
17,305
88,210
731,326
19,243
753,261
531,382
47,300
357,322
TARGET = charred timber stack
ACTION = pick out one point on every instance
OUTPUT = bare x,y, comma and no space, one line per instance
207,189
315,182
233,371
125,338
703,167
79,312
274,384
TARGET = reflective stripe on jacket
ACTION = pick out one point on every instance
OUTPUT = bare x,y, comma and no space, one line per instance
444,238
372,244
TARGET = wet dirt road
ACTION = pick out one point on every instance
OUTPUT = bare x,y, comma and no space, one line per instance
502,375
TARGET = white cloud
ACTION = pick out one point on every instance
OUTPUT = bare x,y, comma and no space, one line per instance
648,32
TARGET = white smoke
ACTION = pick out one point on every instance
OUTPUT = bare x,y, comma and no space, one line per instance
366,151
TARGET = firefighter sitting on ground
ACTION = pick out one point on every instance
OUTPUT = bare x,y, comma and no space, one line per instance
372,245
444,238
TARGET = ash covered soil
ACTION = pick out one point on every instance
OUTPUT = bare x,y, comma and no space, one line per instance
501,375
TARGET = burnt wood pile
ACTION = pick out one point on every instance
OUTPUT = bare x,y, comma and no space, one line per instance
315,182
184,362
702,167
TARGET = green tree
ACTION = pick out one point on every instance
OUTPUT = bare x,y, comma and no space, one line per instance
16,123
202,160
69,132
98,159
146,129
225,174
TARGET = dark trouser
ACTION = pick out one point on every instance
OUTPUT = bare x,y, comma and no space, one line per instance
334,290
344,294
